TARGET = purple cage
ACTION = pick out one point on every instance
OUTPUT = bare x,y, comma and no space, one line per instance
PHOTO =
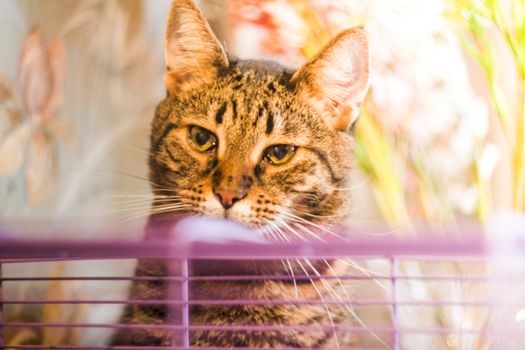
502,280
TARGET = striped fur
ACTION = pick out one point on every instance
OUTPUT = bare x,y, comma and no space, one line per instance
249,106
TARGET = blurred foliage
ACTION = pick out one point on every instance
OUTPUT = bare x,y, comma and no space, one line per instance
436,163
491,29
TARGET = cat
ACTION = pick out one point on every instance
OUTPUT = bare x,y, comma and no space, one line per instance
263,145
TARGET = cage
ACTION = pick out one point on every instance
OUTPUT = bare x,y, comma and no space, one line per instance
476,286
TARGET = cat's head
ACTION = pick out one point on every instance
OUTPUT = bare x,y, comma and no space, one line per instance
253,141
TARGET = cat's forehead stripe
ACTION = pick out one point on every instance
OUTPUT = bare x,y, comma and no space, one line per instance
258,116
269,122
220,113
234,109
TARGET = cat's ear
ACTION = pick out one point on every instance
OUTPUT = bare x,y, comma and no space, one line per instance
336,80
193,54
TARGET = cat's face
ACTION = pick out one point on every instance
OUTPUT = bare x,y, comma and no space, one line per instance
252,141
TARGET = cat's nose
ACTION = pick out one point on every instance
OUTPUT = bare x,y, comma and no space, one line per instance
229,198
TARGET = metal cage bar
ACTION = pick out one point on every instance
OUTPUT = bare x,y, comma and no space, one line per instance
392,255
179,291
1,309
395,318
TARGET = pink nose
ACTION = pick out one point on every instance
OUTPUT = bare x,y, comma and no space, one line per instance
228,198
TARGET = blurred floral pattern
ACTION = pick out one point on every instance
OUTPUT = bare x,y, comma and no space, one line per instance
86,83
30,127
79,81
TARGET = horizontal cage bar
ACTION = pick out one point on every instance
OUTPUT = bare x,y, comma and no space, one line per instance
356,302
430,278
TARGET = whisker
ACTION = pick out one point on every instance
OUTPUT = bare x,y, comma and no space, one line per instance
168,206
296,290
138,202
129,195
331,290
120,173
309,232
116,208
171,210
154,201
139,197
142,152
302,220
278,231
291,230
366,272
329,314
287,265
333,216
137,177
289,270
136,214
270,232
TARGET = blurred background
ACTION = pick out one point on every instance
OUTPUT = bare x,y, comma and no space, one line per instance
440,139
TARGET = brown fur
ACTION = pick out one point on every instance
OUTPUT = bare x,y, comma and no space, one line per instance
249,106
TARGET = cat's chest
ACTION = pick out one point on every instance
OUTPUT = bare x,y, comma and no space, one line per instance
261,317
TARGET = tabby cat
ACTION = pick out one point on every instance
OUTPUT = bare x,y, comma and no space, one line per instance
259,144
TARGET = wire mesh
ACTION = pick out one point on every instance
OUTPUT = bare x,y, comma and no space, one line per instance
406,266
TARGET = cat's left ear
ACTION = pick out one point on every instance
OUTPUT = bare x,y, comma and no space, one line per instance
336,80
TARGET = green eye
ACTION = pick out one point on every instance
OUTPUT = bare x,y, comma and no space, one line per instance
279,154
201,139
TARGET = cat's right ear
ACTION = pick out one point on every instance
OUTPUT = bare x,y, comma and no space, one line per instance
193,54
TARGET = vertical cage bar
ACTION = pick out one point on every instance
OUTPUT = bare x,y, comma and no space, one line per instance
179,291
1,309
395,317
186,305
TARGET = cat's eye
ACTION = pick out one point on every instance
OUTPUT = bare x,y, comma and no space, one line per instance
201,139
279,154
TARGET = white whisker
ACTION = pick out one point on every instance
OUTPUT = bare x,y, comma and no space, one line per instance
309,232
329,314
296,290
291,230
302,220
331,290
366,272
173,209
